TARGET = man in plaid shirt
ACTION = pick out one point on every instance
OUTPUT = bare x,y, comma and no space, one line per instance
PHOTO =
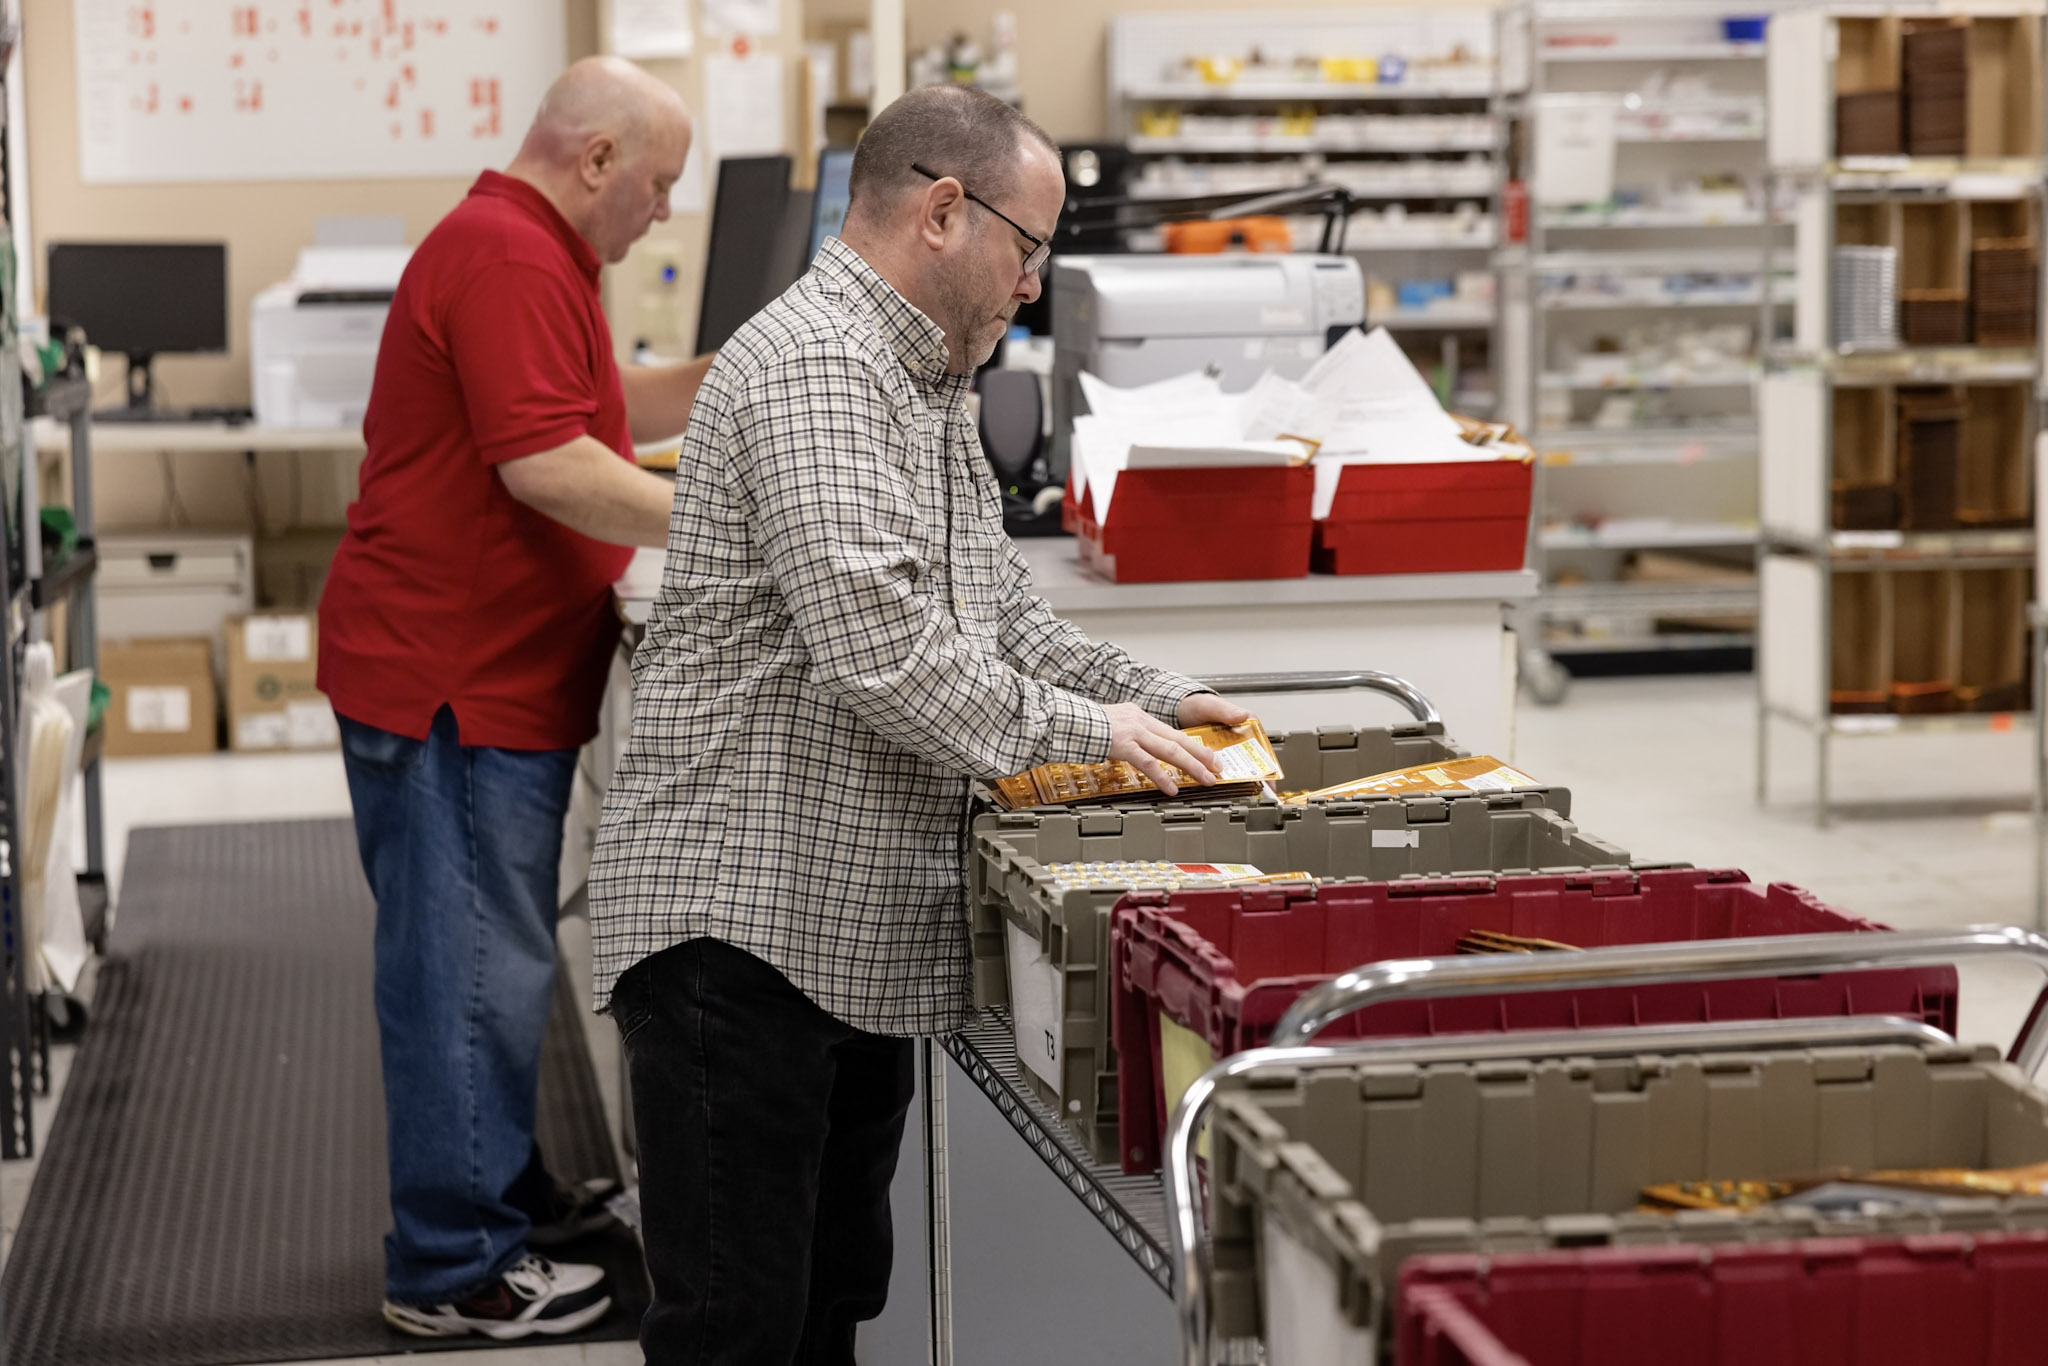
843,637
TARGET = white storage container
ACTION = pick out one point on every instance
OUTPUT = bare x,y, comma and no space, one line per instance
174,584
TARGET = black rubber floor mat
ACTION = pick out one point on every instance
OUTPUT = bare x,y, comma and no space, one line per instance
214,1188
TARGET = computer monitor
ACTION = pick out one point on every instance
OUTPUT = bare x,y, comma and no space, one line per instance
743,263
142,299
828,205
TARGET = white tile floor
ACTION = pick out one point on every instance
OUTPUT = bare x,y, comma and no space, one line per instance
1663,767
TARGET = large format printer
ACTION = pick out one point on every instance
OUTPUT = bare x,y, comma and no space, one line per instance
313,338
1130,320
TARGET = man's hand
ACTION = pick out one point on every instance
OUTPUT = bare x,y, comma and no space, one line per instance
1149,745
1208,709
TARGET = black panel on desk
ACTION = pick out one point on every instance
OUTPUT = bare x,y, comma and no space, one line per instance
744,265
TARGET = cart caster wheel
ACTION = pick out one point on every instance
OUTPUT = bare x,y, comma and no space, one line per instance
1547,680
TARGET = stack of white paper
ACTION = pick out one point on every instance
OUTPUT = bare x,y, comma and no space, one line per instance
1363,402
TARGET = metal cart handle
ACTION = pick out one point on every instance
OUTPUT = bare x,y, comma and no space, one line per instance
1183,1198
1400,689
1689,961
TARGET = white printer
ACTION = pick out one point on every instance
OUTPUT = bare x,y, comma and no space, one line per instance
313,338
1130,320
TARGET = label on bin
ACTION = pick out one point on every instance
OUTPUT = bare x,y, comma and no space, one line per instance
1037,1006
1397,839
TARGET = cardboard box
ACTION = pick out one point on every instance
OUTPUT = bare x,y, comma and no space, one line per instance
273,699
164,700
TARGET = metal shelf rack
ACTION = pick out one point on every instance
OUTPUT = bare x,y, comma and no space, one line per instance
1585,273
1376,138
1801,554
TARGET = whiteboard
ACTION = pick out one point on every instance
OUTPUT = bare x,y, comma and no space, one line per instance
191,90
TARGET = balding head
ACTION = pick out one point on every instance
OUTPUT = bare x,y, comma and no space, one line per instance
607,144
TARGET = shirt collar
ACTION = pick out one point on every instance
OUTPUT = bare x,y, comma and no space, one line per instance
499,186
918,342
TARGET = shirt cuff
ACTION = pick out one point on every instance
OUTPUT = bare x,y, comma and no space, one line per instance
533,442
1079,732
1163,693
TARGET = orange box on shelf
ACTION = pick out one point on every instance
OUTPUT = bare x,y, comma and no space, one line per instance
1437,518
1227,522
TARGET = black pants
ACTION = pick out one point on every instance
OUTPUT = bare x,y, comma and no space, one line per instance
768,1134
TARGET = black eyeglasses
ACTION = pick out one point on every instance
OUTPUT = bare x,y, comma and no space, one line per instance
1040,248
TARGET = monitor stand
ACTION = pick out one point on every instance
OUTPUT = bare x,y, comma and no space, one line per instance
141,405
142,402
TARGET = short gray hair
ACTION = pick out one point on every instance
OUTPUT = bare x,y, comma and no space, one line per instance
954,130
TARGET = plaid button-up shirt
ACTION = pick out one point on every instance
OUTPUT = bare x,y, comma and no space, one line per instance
843,636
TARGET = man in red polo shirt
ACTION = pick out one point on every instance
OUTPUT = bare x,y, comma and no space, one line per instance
465,635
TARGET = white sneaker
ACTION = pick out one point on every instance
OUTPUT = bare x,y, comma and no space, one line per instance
536,1296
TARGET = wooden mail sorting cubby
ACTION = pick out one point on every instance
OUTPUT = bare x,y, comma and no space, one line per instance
1911,84
1928,641
1931,457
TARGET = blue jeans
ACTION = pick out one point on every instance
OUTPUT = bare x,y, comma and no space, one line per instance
462,846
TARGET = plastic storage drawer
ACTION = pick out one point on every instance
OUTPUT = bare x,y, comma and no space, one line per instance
1215,970
1042,946
1932,1300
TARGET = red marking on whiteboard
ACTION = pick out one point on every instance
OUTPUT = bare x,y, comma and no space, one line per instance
142,22
391,96
184,104
376,46
235,60
305,21
390,15
407,72
396,130
407,32
488,25
426,123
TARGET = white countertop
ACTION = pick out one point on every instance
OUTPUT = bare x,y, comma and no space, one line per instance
1069,587
50,435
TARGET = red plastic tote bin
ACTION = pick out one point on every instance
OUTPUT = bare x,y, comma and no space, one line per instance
1427,519
1176,525
1933,1300
1201,975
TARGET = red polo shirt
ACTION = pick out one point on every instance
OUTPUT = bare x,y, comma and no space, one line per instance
447,589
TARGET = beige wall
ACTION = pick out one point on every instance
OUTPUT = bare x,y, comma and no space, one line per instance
630,287
1061,45
264,223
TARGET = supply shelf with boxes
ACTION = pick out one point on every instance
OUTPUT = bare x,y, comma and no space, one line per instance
1900,419
1634,304
1392,106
